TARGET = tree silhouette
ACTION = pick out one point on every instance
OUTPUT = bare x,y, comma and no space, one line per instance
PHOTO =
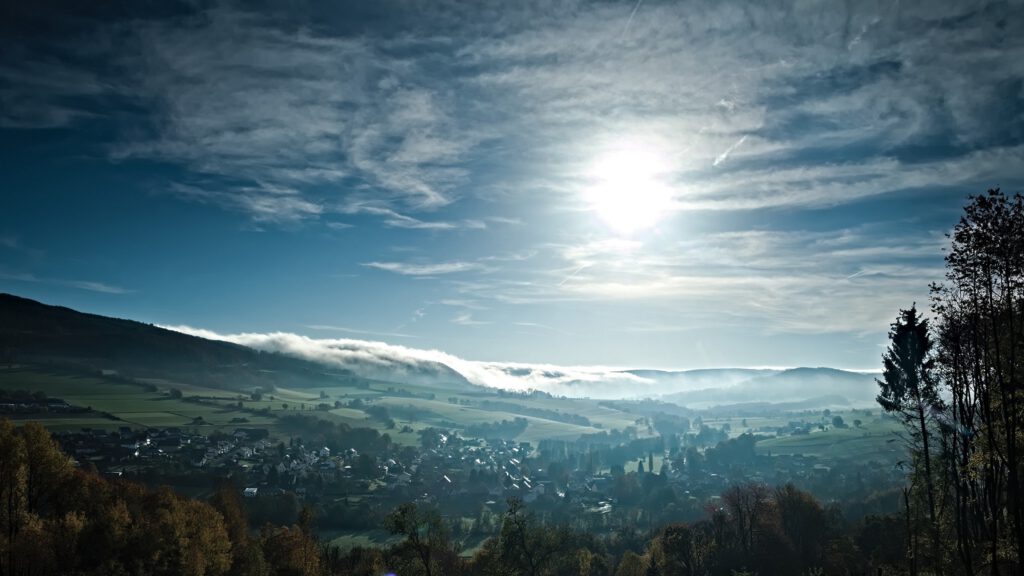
909,390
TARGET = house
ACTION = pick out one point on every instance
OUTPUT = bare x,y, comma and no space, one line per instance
250,492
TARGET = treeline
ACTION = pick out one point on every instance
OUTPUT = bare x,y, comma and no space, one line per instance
753,530
546,414
22,396
504,430
956,382
57,519
336,436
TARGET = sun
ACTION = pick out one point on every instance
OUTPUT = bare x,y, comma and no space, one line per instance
626,189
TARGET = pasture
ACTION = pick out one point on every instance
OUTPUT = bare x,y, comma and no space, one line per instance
876,439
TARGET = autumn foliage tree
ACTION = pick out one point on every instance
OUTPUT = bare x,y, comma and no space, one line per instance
961,397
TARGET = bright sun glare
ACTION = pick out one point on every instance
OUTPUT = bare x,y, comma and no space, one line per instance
627,189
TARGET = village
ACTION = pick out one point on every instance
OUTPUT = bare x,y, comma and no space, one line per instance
596,486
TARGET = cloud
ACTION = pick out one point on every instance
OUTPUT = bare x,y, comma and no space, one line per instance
332,328
96,287
466,319
832,104
249,106
44,92
763,280
732,148
262,203
89,285
393,219
409,269
388,362
470,304
15,244
415,111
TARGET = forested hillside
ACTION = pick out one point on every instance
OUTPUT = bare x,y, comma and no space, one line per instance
34,332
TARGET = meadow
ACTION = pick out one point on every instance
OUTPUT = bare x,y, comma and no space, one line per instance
118,402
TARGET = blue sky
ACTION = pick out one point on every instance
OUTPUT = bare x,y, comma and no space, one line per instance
642,184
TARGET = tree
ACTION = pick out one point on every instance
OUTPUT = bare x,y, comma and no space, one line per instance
426,538
746,507
247,557
12,494
631,564
837,422
290,551
980,307
682,551
46,466
802,520
526,545
909,390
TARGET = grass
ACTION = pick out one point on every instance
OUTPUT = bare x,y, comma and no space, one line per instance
346,541
131,404
439,412
876,439
138,406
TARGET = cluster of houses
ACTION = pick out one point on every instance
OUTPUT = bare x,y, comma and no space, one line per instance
458,474
177,454
37,406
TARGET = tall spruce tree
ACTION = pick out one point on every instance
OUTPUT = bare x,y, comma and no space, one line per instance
909,390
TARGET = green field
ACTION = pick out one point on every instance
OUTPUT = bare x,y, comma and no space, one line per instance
139,405
346,541
875,439
118,403
127,404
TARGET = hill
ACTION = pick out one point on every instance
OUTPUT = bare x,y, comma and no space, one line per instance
33,332
809,387
669,382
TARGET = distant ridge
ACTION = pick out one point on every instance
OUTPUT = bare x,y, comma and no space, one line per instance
36,333
682,380
33,332
794,385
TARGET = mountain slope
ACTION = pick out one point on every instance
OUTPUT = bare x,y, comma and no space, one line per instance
793,385
32,332
669,382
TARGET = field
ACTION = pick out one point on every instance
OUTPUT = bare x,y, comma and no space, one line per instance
149,403
346,541
126,404
876,439
116,403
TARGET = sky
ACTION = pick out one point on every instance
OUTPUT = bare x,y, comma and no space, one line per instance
631,184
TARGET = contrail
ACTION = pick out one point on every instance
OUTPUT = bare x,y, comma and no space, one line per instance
724,155
574,273
631,15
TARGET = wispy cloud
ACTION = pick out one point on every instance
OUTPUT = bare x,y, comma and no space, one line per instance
393,219
725,154
89,285
756,90
253,106
762,279
469,304
15,244
466,319
332,328
262,203
434,269
96,286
